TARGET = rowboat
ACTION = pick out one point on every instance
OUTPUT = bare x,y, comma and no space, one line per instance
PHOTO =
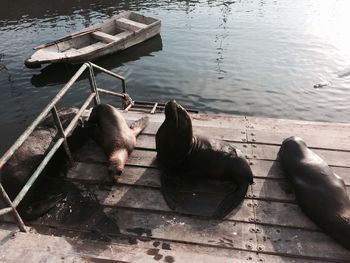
114,34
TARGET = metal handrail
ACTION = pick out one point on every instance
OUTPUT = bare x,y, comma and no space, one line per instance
51,107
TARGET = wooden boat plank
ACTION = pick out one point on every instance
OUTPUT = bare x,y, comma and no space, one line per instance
104,37
129,24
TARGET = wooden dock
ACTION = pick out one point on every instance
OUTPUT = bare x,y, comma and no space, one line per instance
130,221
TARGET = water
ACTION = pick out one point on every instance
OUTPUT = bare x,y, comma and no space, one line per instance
252,57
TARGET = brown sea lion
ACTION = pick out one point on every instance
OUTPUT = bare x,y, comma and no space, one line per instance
26,159
183,154
320,193
115,136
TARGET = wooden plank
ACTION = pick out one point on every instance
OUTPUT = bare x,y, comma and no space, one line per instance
130,24
277,190
57,249
273,170
298,242
333,158
288,214
148,198
148,142
138,224
93,173
281,214
90,152
200,120
284,125
220,133
321,139
223,234
104,37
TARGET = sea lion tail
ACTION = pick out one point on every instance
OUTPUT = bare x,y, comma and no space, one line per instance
138,126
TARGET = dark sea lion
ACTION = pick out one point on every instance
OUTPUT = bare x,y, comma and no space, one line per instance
115,136
183,154
26,159
320,193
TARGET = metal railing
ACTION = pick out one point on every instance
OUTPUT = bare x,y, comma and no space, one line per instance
63,133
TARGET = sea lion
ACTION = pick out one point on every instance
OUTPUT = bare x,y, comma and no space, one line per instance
26,159
183,154
320,193
115,136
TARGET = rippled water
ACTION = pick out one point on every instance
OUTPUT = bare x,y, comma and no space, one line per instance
240,57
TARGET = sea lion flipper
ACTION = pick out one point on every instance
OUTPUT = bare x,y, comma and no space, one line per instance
138,126
39,208
231,201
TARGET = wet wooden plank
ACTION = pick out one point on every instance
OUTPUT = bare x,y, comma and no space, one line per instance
333,158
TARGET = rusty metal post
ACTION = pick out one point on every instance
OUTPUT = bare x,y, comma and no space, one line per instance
17,217
60,130
93,84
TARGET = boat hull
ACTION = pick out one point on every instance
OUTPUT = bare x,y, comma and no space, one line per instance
115,34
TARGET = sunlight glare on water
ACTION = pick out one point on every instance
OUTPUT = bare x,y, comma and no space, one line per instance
253,57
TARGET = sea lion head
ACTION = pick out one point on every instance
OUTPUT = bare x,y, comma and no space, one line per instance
292,147
174,137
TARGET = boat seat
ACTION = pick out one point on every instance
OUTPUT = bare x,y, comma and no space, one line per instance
129,24
104,37
91,48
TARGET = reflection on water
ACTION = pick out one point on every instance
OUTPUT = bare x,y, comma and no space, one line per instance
240,57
